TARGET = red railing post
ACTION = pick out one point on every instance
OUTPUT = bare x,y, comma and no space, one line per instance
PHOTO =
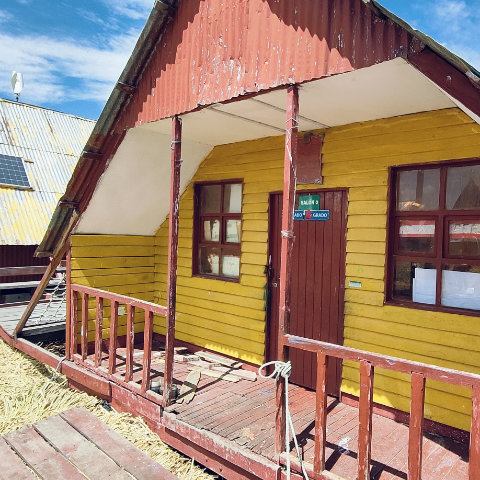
68,319
84,327
147,350
98,331
175,165
74,323
415,432
365,411
286,249
112,350
474,458
320,414
130,343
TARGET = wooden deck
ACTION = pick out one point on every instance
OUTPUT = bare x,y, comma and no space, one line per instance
74,445
242,415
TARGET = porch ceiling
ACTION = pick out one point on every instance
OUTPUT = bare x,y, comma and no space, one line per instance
138,175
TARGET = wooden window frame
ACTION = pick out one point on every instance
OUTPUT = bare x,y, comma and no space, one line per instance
198,241
439,257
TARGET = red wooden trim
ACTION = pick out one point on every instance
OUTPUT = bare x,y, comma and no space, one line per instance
68,318
474,460
74,324
286,249
98,332
147,351
415,432
365,411
320,414
84,326
175,164
433,372
129,347
135,302
112,350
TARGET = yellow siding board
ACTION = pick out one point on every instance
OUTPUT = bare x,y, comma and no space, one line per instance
111,240
113,251
367,221
365,247
368,284
109,262
367,234
365,271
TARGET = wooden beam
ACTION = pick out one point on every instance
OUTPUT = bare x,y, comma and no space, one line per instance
37,295
286,250
21,271
474,459
69,317
415,431
172,255
365,411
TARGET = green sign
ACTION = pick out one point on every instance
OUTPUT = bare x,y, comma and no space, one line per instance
309,202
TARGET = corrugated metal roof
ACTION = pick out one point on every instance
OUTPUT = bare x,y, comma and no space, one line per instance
49,143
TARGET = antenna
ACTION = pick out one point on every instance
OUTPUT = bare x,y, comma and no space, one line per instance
17,84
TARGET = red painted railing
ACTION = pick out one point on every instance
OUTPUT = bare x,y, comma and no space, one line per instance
419,373
81,295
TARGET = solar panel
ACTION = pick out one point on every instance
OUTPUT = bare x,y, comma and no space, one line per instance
12,171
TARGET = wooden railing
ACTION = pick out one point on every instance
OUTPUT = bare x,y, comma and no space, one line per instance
78,351
419,373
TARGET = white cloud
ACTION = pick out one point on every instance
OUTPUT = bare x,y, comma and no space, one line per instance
48,63
134,9
4,16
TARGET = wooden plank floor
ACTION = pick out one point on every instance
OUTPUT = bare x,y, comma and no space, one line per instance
243,413
74,445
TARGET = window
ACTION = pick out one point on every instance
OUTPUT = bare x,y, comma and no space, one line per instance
12,172
218,227
435,236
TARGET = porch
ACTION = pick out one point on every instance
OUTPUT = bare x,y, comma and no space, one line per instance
230,426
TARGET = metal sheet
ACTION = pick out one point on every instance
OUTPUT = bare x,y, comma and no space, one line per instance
49,143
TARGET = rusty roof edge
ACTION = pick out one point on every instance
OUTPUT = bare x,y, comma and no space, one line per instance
144,48
445,53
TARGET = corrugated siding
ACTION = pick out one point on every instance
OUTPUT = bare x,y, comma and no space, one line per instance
230,318
49,143
215,50
116,263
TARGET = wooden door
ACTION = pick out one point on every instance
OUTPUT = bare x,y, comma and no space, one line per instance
318,279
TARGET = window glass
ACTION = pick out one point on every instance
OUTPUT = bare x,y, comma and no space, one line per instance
464,239
211,230
463,187
415,281
461,286
209,260
210,198
231,265
232,200
418,189
233,231
416,236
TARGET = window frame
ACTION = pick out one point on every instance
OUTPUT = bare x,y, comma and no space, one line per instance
440,257
198,237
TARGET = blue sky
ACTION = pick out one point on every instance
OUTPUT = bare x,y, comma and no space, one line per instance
71,52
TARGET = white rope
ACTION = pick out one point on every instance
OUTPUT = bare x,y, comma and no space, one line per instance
284,369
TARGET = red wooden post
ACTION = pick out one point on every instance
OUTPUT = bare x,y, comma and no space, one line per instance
415,432
286,249
365,411
98,332
130,344
172,255
112,350
320,414
84,328
474,459
74,323
147,350
68,319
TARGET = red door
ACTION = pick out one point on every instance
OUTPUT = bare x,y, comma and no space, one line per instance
318,278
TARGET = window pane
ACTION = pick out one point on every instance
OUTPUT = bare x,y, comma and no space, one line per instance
232,200
231,266
418,189
210,197
209,261
234,231
415,281
461,287
211,230
416,236
464,239
463,187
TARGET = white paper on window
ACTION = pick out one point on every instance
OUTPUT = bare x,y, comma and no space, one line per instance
233,231
424,286
211,230
461,289
235,201
231,266
214,262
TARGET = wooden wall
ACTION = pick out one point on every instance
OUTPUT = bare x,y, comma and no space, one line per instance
230,318
117,263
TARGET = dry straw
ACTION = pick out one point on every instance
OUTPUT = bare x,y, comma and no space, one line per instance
31,391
